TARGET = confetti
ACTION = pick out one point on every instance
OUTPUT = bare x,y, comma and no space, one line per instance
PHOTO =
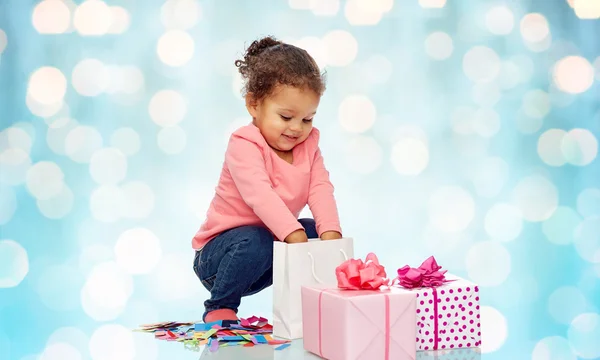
247,333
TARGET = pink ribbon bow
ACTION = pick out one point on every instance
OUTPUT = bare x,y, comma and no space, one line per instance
426,275
355,274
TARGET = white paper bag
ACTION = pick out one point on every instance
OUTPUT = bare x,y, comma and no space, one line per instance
295,265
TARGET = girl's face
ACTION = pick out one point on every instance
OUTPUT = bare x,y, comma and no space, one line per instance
284,118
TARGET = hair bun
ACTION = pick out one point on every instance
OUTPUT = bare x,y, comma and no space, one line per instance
258,46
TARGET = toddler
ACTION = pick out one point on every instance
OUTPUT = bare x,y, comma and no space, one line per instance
273,168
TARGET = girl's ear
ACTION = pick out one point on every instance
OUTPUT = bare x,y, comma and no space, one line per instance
252,105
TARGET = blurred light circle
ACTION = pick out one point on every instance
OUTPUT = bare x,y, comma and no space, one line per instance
93,255
378,69
122,345
92,18
553,348
500,20
510,75
70,335
171,140
15,137
15,163
120,20
180,14
14,263
57,133
503,222
62,351
494,329
536,197
325,7
315,47
106,291
108,166
526,124
573,74
47,85
363,154
8,204
587,239
138,251
175,48
51,17
341,47
549,147
536,104
90,77
451,208
588,202
410,156
565,303
125,139
411,131
82,142
587,9
45,180
490,176
462,119
486,122
540,46
300,4
58,287
357,113
481,64
488,263
138,200
534,27
43,110
172,266
58,206
358,14
579,147
167,108
106,203
438,45
124,79
3,41
583,335
437,4
486,94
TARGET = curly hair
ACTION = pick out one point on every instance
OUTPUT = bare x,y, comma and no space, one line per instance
269,62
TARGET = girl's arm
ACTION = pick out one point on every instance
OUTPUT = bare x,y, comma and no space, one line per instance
246,164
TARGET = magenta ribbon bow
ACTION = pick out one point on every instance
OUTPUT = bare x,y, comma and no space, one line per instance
354,274
426,275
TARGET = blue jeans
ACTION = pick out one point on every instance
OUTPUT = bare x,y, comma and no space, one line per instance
238,262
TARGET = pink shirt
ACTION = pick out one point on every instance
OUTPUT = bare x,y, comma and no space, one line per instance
257,187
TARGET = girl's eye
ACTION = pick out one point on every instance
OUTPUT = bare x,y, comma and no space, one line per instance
286,118
308,120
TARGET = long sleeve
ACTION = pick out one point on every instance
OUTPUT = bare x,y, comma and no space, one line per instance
320,197
246,164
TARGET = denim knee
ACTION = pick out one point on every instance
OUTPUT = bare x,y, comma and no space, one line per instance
259,244
310,227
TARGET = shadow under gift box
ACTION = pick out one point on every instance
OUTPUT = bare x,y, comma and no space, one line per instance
359,324
453,354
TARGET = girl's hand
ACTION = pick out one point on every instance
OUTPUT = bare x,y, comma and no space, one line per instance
298,236
331,235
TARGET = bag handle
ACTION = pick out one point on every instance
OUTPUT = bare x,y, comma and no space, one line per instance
312,263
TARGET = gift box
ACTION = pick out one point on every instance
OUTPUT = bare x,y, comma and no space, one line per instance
359,319
362,324
452,354
447,307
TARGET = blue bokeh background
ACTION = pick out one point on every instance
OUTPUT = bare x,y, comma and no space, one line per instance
464,129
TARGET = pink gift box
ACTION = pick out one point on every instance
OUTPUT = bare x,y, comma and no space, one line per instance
359,324
452,312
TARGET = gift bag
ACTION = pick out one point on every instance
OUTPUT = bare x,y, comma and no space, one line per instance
295,265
